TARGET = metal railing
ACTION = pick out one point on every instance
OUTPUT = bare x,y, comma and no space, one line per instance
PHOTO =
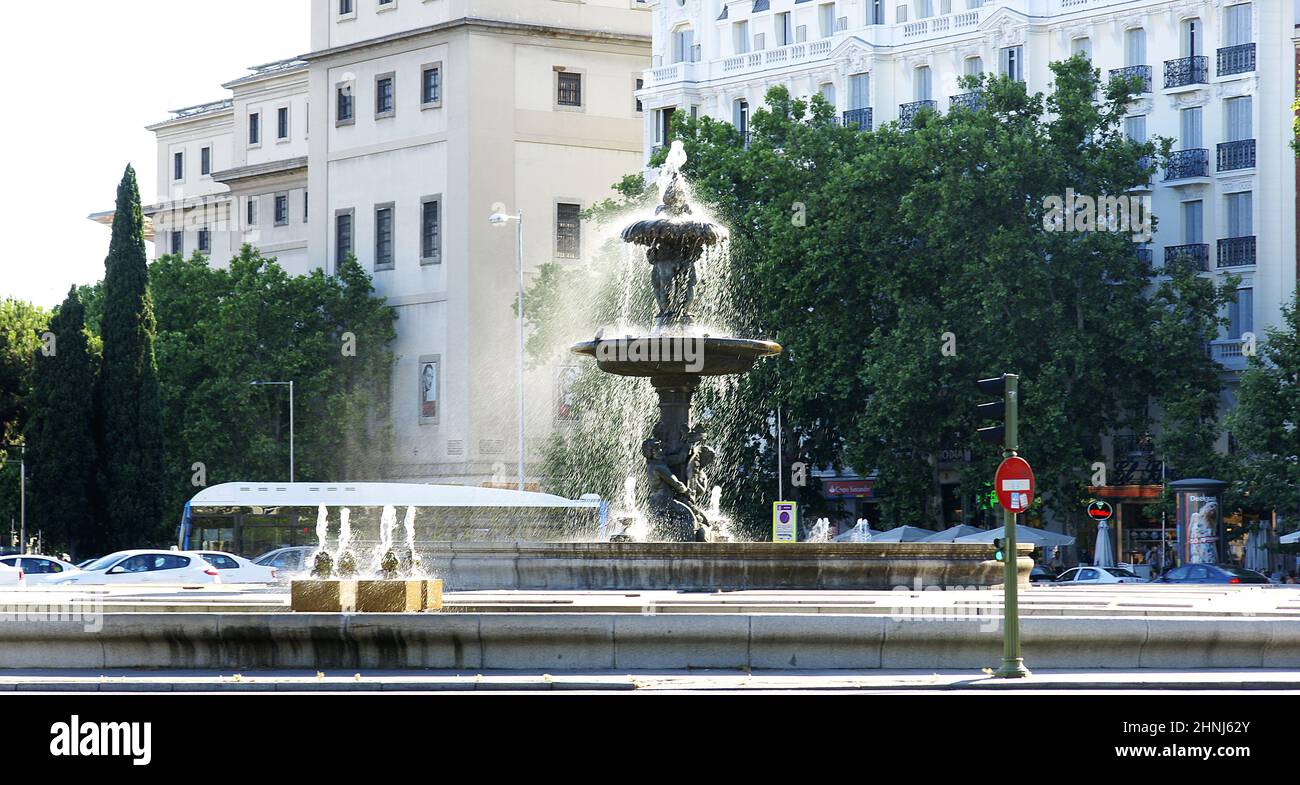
857,118
1236,155
1238,59
1195,256
1236,252
972,101
908,112
1142,72
1185,164
1187,71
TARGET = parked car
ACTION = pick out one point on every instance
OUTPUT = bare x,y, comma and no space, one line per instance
11,576
144,566
237,569
1076,576
1040,574
288,560
1212,573
40,570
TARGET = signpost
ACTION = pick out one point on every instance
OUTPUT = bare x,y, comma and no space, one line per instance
1014,486
785,518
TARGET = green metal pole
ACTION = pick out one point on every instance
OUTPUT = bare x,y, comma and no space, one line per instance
1013,666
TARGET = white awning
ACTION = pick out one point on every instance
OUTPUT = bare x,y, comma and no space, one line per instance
374,494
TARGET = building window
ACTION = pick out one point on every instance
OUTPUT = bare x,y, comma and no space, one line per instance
1191,38
282,123
342,237
1239,113
783,31
683,45
345,7
1241,221
740,36
1135,46
385,100
974,66
178,166
343,103
1193,223
876,12
1013,66
1190,120
205,161
254,129
826,19
637,84
664,125
740,116
568,88
921,84
384,5
568,230
251,211
384,237
1238,18
178,243
924,9
205,241
431,85
304,206
1241,313
282,209
430,230
1135,128
430,384
1081,46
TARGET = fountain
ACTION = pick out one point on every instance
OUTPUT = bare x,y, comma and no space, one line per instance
675,356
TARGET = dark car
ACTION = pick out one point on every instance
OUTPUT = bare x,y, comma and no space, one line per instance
1211,573
1040,574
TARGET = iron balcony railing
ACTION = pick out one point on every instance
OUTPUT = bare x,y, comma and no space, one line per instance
858,118
908,112
1145,254
972,101
1142,72
1237,155
1185,164
1187,71
1238,59
1236,252
1195,256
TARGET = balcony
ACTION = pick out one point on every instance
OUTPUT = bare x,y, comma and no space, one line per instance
1142,72
1187,164
858,118
1237,155
908,112
1196,256
971,101
1229,352
1236,252
1187,71
1238,59
1145,254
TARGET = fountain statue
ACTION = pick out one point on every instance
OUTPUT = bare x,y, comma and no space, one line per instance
675,357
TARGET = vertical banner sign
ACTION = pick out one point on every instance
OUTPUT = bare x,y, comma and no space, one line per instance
785,516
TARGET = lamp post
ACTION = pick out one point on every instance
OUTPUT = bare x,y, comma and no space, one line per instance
501,219
289,384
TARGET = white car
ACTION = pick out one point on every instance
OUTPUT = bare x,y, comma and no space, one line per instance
1078,576
237,569
40,570
144,566
11,576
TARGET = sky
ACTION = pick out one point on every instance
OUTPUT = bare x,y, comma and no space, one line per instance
82,85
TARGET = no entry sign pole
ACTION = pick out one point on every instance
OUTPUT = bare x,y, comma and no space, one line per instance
1013,665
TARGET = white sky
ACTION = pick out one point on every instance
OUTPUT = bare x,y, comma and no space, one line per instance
82,79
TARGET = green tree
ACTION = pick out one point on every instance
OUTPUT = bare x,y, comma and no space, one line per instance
1264,421
21,326
61,437
129,404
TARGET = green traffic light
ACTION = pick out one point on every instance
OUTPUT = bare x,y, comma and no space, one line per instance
999,550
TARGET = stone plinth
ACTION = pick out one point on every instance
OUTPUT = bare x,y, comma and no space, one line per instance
712,566
365,596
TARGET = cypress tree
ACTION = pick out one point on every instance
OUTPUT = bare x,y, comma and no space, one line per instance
129,403
60,434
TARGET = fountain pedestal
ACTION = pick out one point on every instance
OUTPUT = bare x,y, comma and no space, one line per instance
365,596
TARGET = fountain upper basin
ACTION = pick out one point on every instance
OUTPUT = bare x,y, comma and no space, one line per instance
674,355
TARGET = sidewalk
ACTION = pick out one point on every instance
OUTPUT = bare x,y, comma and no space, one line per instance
646,682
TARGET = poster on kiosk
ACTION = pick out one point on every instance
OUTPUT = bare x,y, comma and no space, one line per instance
1200,520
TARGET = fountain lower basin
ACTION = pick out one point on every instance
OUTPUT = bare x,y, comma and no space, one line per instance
676,355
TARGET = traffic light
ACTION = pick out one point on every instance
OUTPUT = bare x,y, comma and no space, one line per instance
999,549
1005,410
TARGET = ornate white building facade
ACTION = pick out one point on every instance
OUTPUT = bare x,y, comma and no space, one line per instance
406,126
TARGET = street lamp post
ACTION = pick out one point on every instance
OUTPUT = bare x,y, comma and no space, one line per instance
501,219
289,384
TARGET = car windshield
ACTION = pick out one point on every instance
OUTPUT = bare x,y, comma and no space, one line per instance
1120,572
103,562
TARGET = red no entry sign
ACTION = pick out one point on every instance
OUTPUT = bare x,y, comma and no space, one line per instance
1099,510
1014,484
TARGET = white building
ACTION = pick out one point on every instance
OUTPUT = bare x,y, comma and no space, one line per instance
394,139
1221,74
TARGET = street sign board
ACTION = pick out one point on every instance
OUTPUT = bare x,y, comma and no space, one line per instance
1099,510
1014,484
785,517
